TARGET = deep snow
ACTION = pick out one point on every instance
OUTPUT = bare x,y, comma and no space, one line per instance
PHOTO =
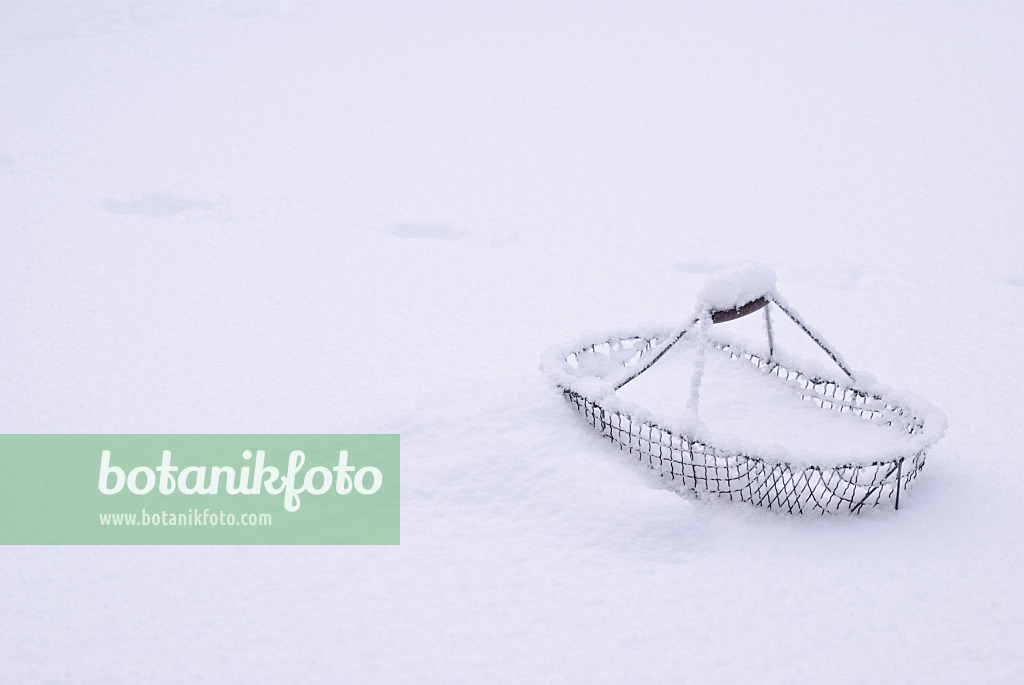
269,216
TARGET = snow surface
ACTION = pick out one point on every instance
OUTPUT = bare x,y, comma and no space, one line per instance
270,216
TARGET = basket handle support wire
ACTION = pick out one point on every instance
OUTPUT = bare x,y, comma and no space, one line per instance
723,315
899,474
795,319
676,336
717,316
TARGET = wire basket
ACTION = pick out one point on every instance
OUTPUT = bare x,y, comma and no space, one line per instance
693,463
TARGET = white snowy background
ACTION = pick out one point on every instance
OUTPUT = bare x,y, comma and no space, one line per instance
312,216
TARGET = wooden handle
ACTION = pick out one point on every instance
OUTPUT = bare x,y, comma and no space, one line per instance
723,315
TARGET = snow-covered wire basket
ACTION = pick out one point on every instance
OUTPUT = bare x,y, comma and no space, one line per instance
590,373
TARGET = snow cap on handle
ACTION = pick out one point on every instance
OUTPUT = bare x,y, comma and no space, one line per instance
734,287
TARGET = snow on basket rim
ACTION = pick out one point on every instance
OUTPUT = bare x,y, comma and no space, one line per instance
590,370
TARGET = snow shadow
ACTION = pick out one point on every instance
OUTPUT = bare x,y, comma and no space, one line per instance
247,9
154,205
697,266
423,231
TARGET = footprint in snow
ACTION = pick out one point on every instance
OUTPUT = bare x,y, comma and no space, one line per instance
698,266
423,231
154,205
247,9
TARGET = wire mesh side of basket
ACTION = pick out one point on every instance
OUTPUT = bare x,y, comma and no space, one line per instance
700,467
